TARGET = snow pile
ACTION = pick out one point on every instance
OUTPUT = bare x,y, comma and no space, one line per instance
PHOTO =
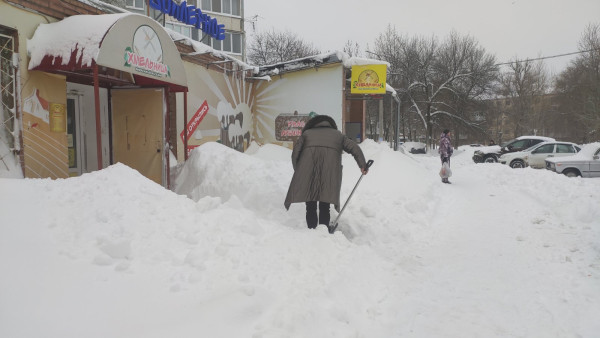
500,252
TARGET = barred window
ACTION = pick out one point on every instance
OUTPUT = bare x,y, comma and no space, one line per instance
7,87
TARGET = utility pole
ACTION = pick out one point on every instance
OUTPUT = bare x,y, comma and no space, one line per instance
380,122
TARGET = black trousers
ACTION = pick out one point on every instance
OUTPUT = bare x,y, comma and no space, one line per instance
311,214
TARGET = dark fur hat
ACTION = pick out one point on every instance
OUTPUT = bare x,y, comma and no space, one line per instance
446,131
318,119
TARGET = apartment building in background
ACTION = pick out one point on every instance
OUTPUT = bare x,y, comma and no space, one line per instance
230,13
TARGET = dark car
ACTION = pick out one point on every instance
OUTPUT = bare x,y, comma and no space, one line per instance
490,154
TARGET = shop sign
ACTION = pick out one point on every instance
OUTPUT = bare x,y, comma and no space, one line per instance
192,16
368,79
58,121
195,121
146,53
288,127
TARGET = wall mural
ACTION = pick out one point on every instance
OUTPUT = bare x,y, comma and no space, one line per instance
241,111
228,117
234,132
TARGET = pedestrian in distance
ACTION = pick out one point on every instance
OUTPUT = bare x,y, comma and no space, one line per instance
492,143
445,150
317,162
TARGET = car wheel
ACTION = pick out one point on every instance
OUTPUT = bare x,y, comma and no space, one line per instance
490,159
571,173
517,164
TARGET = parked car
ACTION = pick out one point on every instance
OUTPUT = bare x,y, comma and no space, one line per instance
585,163
490,154
536,155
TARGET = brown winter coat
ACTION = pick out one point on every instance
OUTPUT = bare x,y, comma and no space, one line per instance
317,162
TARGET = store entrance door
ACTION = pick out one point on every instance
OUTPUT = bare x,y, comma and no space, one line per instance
75,136
137,126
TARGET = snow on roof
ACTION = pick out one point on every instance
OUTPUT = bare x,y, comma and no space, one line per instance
323,58
390,89
356,61
104,6
202,48
81,32
88,36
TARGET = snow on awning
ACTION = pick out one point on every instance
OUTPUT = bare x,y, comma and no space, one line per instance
128,42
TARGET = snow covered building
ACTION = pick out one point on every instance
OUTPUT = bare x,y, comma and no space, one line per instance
86,84
82,89
319,84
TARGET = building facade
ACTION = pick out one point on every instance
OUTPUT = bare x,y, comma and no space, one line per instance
229,13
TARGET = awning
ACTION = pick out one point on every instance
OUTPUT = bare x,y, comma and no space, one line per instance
127,42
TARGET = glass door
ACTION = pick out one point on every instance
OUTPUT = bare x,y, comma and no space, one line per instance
74,139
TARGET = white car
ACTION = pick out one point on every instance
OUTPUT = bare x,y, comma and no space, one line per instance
585,163
536,155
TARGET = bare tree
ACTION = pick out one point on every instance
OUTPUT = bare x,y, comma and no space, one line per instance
578,91
442,81
352,48
272,47
524,84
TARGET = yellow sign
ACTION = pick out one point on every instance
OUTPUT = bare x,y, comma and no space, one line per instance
368,79
58,120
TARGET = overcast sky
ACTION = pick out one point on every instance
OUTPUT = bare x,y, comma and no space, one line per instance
506,28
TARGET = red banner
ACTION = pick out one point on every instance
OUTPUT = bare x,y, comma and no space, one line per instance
195,121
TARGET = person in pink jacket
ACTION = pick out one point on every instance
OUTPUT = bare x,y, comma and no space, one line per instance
445,150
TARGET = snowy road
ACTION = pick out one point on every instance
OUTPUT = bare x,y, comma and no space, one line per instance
498,253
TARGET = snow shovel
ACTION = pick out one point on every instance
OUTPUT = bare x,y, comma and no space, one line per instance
334,225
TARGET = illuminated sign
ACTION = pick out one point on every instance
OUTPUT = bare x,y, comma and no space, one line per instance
192,16
368,79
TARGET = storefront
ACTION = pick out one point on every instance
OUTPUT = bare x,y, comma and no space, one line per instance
93,90
290,93
97,93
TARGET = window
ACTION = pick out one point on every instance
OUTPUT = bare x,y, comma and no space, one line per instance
564,148
232,7
137,4
545,149
235,7
216,6
231,44
226,6
236,41
227,43
520,144
536,141
182,29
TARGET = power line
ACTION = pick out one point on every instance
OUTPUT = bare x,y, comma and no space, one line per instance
547,57
525,60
